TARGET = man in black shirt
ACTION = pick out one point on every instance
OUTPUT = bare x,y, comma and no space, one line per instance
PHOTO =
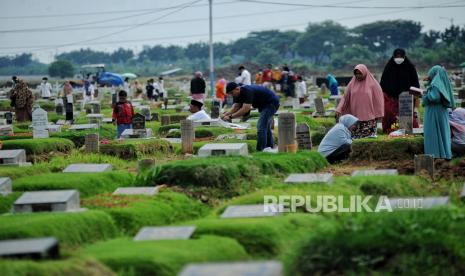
198,87
262,98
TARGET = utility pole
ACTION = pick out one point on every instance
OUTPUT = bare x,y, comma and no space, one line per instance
212,69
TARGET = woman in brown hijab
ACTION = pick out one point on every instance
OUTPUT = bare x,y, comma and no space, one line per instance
22,99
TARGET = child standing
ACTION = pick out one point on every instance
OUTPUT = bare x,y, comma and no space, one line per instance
122,113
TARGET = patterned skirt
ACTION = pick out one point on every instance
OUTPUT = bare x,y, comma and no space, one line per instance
365,129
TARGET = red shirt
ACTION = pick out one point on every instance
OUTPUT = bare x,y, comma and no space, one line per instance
267,75
123,112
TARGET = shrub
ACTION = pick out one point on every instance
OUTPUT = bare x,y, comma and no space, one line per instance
165,257
133,212
404,242
40,146
6,202
17,172
132,149
73,266
87,183
386,149
71,229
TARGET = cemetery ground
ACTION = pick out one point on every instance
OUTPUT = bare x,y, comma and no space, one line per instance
118,223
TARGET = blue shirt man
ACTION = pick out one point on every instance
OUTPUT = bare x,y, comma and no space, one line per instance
262,98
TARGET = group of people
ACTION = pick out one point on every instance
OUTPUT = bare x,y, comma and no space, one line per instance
366,102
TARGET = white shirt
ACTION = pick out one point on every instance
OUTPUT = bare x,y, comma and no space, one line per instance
199,115
301,89
245,77
45,89
91,89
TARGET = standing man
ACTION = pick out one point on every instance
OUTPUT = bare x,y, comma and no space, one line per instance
245,76
265,100
45,88
198,87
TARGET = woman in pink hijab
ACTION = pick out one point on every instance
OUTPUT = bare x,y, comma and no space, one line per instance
363,99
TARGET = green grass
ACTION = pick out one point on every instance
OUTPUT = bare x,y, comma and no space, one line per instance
17,172
383,148
58,163
72,266
71,229
166,257
134,148
406,242
88,184
133,212
40,146
6,202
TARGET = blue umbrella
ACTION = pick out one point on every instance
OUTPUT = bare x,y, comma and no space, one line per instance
111,79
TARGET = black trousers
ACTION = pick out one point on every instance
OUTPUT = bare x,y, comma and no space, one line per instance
339,154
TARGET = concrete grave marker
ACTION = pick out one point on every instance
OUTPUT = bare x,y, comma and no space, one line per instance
6,130
145,111
374,172
59,106
424,162
165,120
69,112
418,202
12,157
39,123
462,194
187,136
92,143
251,211
47,201
149,191
165,233
406,112
35,248
136,133
95,107
257,268
173,140
155,117
215,112
223,149
326,178
320,107
95,118
5,186
286,132
9,118
238,136
83,126
88,168
304,138
212,122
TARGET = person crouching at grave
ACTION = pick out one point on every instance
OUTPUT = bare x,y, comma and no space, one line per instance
437,99
22,99
333,85
122,113
198,113
364,99
262,98
335,146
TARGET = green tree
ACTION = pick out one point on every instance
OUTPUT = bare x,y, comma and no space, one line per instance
61,68
320,40
266,56
351,56
382,36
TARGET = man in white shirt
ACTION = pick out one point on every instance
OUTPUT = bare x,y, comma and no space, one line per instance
198,113
245,76
45,88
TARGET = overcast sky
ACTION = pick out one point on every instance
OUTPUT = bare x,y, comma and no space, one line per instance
48,27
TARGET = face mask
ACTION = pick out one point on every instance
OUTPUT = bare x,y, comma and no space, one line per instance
399,60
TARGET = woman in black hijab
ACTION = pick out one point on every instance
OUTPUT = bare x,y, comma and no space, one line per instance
398,76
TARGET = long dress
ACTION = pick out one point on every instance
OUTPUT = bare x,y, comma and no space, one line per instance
436,125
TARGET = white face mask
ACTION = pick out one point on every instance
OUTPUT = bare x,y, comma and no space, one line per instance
398,60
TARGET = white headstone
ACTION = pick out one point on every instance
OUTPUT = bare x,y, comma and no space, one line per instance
223,149
39,123
150,191
212,122
326,178
88,168
10,157
165,233
47,201
5,186
36,247
374,172
251,211
257,268
83,126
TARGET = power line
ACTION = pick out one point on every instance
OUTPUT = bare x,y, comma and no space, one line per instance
100,13
351,7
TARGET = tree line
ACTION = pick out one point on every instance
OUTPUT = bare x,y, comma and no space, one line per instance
321,47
